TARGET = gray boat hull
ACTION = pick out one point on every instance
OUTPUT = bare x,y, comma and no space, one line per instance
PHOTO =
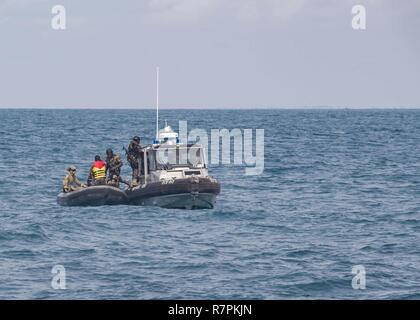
198,193
93,196
183,201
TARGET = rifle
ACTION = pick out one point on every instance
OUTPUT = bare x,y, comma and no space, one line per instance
130,157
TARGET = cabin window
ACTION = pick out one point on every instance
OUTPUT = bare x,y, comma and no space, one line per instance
172,157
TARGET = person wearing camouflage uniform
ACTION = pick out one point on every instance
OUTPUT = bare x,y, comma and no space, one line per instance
135,159
113,167
113,164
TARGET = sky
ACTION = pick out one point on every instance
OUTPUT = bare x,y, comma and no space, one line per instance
211,54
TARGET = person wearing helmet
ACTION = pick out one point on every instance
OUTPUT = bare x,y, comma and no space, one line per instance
70,182
135,159
97,172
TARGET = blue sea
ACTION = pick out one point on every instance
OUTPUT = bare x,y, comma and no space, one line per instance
340,188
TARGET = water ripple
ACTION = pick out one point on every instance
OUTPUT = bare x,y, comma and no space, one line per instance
340,188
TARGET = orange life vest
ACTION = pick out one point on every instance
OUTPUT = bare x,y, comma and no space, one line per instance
99,170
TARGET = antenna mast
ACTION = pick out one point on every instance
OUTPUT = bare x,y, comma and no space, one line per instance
157,104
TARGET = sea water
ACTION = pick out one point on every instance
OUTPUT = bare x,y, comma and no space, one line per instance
340,188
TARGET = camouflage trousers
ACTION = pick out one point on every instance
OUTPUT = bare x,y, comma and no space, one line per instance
135,176
137,172
115,181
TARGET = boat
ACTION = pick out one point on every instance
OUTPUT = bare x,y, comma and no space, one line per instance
173,175
93,196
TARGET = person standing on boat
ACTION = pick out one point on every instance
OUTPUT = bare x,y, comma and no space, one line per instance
113,164
113,167
135,159
97,173
70,182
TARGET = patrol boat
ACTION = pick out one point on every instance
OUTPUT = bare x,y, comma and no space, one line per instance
174,175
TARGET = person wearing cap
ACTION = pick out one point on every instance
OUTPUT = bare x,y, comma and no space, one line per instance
97,172
135,159
70,182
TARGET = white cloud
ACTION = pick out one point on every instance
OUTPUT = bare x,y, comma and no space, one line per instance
169,11
281,9
249,10
184,11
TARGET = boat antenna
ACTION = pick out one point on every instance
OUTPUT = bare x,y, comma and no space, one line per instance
157,103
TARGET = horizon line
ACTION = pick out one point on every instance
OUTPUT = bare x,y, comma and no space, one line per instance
214,108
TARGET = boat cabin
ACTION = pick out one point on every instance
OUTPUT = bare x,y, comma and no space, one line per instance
167,159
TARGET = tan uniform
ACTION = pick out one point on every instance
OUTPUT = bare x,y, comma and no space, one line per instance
71,183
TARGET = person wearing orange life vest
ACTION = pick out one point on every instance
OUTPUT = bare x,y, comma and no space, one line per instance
97,173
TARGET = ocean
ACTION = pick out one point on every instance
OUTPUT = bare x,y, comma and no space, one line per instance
340,188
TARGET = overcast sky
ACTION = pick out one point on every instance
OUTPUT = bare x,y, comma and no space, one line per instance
211,53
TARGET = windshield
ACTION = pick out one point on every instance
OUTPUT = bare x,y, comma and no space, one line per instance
173,157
